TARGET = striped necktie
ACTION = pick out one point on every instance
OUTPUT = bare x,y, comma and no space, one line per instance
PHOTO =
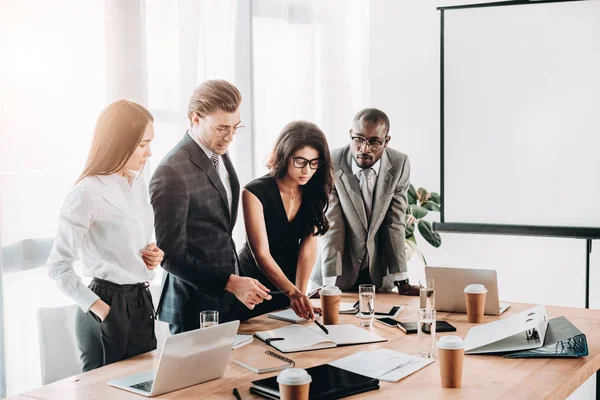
215,160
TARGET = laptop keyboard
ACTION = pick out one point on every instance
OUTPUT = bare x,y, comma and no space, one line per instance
144,386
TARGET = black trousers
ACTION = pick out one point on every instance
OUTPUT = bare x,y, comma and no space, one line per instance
232,309
364,278
127,330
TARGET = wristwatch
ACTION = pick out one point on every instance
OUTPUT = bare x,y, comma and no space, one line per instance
401,283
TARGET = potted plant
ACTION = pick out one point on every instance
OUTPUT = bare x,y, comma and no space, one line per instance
420,203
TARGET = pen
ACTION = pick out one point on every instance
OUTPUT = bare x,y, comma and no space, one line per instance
236,394
322,327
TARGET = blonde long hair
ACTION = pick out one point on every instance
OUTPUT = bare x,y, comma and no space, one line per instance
119,131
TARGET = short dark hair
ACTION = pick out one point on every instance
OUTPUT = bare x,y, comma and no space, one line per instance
315,194
374,116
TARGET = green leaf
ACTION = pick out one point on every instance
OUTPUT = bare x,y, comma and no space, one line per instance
422,192
431,206
435,197
409,231
428,234
412,195
418,212
412,239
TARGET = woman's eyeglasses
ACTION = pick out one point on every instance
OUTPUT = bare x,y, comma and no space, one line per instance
300,162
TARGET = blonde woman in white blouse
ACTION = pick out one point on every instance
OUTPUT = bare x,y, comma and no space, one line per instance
107,222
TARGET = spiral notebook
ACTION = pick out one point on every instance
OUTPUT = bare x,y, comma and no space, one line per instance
265,362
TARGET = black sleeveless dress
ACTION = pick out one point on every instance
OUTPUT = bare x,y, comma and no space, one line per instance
284,239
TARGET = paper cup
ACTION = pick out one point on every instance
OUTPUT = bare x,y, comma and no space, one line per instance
294,384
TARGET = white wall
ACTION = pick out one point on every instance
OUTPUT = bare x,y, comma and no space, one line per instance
405,50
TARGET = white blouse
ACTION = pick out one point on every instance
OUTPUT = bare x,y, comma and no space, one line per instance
109,222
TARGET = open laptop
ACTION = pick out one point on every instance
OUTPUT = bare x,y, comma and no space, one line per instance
186,359
451,282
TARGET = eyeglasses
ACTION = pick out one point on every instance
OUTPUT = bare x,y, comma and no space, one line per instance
224,131
373,144
300,162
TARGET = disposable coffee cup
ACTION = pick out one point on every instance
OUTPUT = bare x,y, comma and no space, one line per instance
475,299
330,303
294,384
451,354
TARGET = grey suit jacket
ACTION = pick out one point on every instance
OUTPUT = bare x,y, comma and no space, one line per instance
194,228
350,235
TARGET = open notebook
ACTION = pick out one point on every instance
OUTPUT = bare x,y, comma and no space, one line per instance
294,338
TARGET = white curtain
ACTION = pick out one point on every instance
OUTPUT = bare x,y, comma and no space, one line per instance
62,63
310,61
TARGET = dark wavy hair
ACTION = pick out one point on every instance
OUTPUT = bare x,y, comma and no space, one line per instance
315,194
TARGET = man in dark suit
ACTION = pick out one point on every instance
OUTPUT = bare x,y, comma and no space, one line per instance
365,243
195,195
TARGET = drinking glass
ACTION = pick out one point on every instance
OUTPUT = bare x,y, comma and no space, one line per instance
427,294
209,318
426,332
366,297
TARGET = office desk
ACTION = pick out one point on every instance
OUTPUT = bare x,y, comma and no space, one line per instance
484,377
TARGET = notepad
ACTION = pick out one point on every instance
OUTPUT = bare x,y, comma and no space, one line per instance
287,315
264,362
293,338
386,365
241,339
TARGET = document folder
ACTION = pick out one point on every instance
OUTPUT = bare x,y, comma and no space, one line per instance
563,340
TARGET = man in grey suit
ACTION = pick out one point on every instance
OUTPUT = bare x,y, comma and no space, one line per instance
366,239
195,196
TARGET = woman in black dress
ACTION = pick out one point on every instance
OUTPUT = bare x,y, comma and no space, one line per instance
284,212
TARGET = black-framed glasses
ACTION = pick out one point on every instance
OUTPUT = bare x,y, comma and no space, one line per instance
300,162
224,131
373,144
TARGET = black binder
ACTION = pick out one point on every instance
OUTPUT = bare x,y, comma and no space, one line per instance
328,382
563,340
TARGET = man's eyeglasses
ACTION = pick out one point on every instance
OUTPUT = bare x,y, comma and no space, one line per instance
300,162
374,144
224,131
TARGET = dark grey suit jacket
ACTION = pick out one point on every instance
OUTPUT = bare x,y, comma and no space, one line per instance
194,228
350,235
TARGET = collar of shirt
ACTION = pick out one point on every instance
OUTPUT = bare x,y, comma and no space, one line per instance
356,169
206,150
116,178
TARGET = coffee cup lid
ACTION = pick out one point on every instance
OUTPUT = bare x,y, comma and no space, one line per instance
450,342
475,288
294,376
330,291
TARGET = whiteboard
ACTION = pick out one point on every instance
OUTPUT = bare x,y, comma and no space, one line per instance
522,114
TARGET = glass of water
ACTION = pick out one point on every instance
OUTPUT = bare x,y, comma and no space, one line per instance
426,332
366,301
427,293
209,318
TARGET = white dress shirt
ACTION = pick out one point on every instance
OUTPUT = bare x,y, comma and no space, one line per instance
223,174
109,221
356,170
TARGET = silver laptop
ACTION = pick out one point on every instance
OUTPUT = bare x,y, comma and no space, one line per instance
187,359
451,282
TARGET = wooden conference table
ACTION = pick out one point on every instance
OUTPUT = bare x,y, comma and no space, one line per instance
484,377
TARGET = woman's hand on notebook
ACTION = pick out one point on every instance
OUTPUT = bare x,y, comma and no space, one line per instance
301,304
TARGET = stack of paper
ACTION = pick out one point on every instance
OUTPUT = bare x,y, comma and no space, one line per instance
386,365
